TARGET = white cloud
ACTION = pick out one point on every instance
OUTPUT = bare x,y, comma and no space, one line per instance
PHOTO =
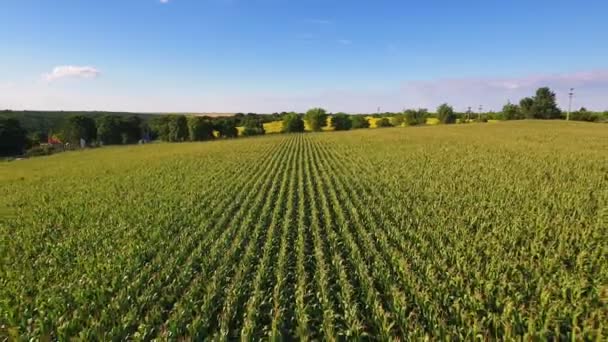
164,1
71,71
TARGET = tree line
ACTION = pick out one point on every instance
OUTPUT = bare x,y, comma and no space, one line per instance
114,129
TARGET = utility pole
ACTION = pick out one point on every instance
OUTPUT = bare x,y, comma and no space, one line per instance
468,113
570,94
480,110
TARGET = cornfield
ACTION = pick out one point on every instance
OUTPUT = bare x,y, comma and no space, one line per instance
445,232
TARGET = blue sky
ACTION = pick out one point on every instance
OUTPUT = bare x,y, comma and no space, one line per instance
275,55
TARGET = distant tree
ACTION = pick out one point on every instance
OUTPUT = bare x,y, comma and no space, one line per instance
316,118
398,119
415,117
584,115
131,129
293,123
109,129
159,127
544,105
342,122
359,121
445,114
252,125
226,128
511,112
13,137
177,128
525,107
200,128
79,127
383,122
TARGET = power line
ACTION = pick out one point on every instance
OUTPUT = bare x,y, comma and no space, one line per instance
570,94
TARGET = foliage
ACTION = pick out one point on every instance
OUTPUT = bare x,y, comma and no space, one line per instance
341,122
253,126
200,128
359,121
511,112
445,114
398,119
226,127
383,122
544,105
78,127
12,137
177,128
292,123
492,231
109,129
526,107
415,117
316,118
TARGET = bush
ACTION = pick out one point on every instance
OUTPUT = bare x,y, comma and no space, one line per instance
226,128
383,122
292,123
316,118
342,122
415,117
253,126
398,120
359,121
42,150
200,128
445,114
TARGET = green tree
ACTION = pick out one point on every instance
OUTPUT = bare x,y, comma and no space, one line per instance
525,107
252,125
78,127
359,121
544,106
13,137
131,129
445,114
177,128
226,128
109,129
415,117
342,122
200,128
510,112
398,119
383,122
292,123
316,118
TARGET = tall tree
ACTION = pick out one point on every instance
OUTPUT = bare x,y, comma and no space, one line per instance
292,123
226,127
109,129
316,118
200,128
342,122
131,129
545,106
12,137
510,111
445,113
177,128
525,107
79,127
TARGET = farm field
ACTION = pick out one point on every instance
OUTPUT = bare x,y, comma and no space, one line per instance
448,232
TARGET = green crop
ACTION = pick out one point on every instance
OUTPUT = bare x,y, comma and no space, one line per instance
496,231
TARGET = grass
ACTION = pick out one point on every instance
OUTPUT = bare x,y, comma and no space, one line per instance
447,232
